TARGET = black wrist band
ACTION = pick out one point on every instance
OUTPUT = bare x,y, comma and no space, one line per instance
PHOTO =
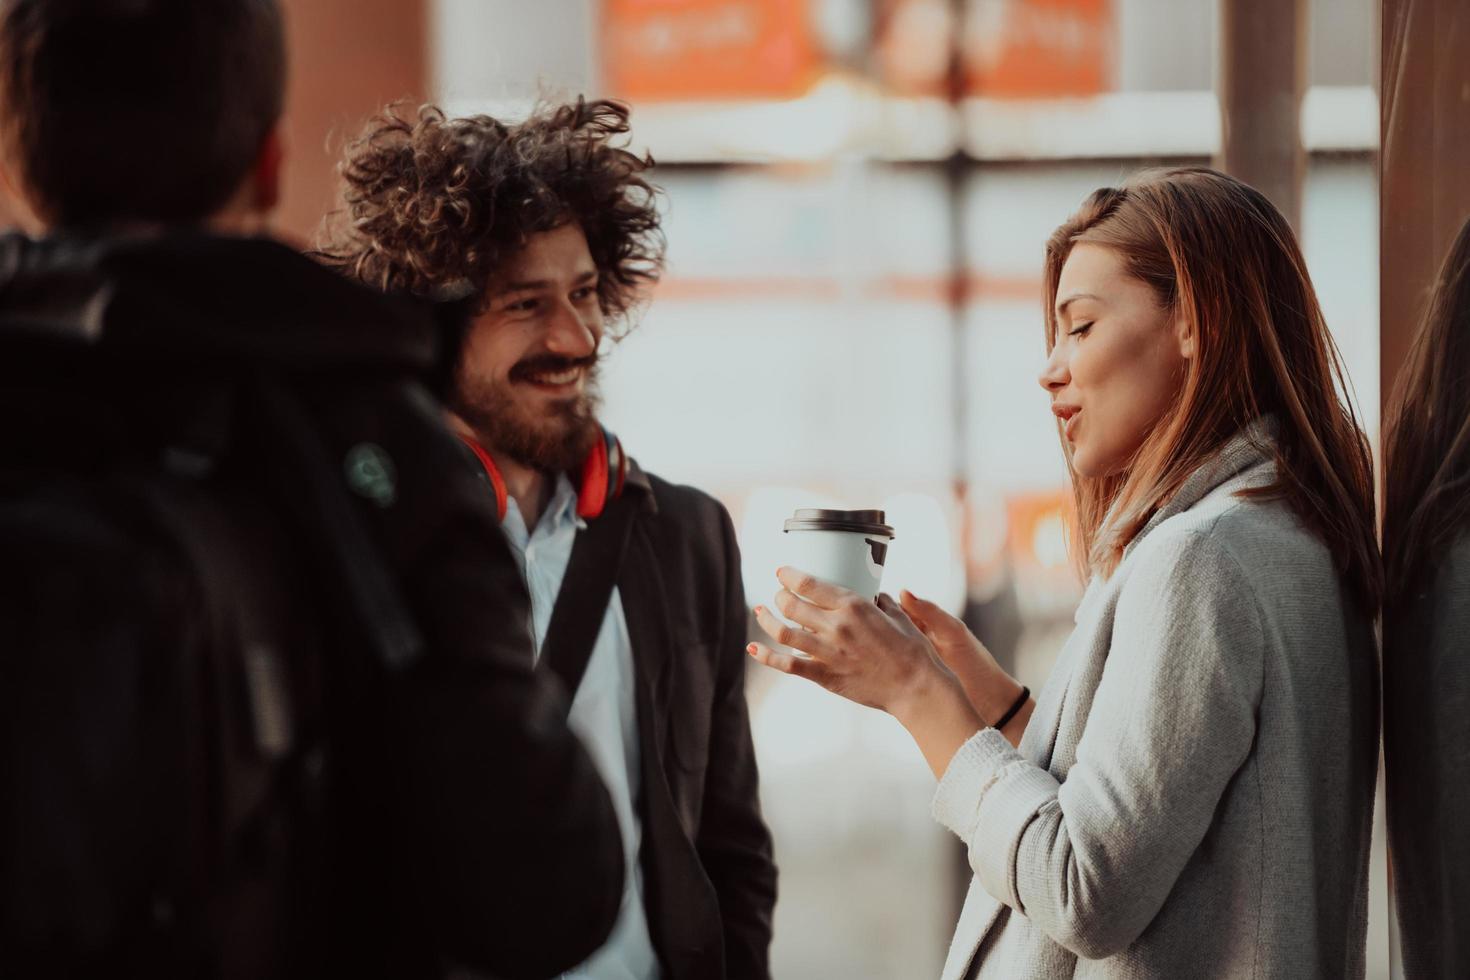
1005,719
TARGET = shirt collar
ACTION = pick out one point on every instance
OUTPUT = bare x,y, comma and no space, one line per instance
562,508
560,511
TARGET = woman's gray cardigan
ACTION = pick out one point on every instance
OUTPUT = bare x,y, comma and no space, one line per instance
1193,796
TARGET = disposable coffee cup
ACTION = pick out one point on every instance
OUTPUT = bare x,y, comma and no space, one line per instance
844,547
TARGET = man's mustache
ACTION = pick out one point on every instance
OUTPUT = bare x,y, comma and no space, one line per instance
551,364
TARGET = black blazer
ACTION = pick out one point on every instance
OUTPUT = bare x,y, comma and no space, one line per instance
710,881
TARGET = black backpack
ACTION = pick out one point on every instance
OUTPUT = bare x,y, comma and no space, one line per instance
178,612
226,747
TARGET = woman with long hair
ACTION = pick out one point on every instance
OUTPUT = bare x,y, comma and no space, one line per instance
1426,620
1191,793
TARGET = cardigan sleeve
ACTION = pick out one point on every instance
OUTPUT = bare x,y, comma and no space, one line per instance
1091,860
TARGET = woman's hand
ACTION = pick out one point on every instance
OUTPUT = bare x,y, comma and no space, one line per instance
871,653
868,652
990,690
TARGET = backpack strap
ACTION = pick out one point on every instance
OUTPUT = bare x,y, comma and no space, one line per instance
581,604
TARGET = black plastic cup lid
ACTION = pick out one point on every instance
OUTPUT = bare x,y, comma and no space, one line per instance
859,521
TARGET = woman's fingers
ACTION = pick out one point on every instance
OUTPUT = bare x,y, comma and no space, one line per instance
938,625
785,634
812,670
955,647
989,688
799,611
900,614
913,614
895,612
922,614
814,590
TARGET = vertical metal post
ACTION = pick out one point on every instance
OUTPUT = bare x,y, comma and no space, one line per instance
1424,191
1263,80
957,170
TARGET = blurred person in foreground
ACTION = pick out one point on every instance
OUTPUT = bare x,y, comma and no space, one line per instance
544,232
1191,794
1426,626
265,699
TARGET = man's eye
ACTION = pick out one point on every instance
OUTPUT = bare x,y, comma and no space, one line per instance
523,305
1080,330
584,292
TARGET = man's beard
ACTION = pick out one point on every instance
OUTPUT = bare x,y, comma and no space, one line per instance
554,440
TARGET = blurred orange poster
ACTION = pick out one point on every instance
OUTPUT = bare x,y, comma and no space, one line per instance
1038,525
1039,48
708,49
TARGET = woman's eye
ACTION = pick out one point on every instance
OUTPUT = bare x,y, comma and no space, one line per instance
1080,330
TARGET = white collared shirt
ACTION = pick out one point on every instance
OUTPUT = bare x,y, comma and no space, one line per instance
604,715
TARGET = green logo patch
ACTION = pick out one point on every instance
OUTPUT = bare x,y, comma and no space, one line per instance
371,474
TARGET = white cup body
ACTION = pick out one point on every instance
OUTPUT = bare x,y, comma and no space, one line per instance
844,558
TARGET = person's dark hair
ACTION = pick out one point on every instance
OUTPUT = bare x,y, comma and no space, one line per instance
435,204
118,111
1426,434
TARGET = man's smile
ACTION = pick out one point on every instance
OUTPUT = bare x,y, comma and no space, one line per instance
559,381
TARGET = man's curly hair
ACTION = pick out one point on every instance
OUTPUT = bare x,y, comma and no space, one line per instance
434,206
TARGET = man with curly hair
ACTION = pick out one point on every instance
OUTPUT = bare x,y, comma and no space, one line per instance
265,710
546,233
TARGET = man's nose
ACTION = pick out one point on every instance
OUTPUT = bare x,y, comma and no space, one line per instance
573,334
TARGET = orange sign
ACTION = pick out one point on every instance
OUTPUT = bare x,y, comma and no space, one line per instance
1039,48
912,42
708,49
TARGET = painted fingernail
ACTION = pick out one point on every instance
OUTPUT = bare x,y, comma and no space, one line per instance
760,610
750,648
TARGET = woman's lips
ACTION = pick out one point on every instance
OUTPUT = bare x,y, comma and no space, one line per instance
1068,414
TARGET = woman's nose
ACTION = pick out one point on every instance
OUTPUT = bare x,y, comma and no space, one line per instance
1054,374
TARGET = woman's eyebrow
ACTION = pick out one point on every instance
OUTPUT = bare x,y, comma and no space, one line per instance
1062,306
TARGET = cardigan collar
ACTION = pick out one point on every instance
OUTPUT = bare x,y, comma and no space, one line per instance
1251,447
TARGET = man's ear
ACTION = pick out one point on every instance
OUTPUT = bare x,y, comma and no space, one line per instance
265,176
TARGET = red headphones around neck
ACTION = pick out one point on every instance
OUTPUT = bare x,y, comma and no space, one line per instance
603,473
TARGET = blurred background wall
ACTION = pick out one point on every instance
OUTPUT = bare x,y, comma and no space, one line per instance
347,58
